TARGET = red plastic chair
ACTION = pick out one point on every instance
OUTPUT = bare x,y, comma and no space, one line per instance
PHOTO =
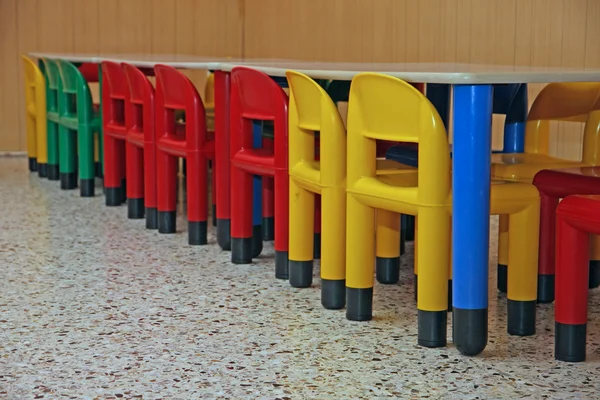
174,91
256,96
115,96
576,217
554,185
141,146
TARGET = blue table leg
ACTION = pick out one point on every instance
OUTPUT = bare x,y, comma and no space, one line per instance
257,240
516,118
470,215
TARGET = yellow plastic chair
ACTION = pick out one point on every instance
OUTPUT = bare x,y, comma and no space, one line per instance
383,107
574,102
312,110
35,111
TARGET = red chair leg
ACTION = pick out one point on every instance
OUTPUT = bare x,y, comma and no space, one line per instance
222,156
241,216
112,173
122,167
213,191
197,197
166,174
281,223
150,185
135,181
548,206
317,236
572,257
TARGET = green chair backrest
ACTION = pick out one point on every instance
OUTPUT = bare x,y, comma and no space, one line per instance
75,89
53,83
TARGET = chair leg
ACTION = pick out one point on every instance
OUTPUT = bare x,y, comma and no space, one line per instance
387,251
503,224
134,171
85,140
333,256
522,270
166,192
257,215
302,204
547,244
594,261
67,158
41,142
268,196
31,143
360,263
241,216
53,153
112,175
213,191
197,198
282,206
571,292
150,186
432,295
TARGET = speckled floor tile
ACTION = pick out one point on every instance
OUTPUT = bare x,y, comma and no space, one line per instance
93,306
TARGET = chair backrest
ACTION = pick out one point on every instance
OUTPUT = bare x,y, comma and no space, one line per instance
312,109
53,83
115,93
573,101
254,95
209,92
174,91
386,108
35,86
139,111
74,84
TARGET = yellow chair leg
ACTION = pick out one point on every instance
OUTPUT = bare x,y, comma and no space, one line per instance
416,258
301,228
502,251
333,248
523,270
432,286
387,247
360,260
594,261
31,142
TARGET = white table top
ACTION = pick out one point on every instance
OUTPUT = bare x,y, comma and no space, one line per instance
414,72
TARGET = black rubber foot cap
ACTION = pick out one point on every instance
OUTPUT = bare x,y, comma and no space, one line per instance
224,233
43,170
241,250
214,215
53,172
135,208
333,294
151,218
197,233
545,290
87,187
301,273
167,221
98,170
281,265
502,278
388,270
33,165
112,196
268,228
68,180
470,330
594,274
432,328
317,246
360,304
257,241
521,317
570,341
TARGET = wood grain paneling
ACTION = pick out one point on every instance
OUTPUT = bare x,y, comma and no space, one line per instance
512,32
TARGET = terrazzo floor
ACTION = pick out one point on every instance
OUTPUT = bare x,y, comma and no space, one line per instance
93,306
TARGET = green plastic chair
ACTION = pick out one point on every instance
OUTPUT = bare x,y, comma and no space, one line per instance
79,122
53,86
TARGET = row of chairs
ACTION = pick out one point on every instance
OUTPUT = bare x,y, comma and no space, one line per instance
365,195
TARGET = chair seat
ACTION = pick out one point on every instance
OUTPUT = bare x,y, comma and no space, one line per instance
564,182
31,110
523,166
398,193
255,161
53,116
